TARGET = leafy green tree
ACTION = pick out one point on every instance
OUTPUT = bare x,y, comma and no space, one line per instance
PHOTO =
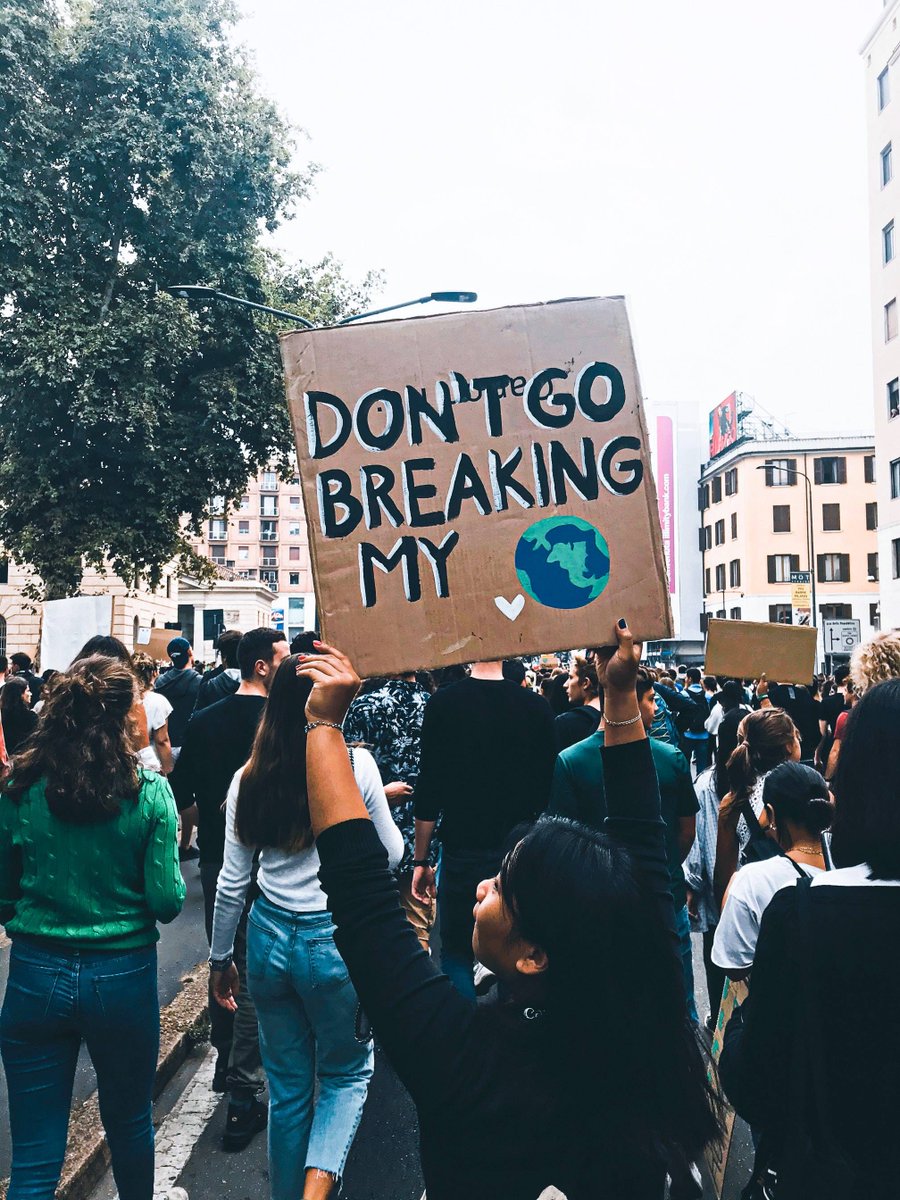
135,152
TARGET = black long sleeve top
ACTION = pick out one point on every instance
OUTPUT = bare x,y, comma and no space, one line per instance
854,936
491,1122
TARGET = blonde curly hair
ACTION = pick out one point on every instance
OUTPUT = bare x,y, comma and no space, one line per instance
876,660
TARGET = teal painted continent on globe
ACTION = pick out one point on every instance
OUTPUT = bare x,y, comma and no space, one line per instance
563,562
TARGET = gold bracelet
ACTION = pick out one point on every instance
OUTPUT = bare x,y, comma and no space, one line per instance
621,724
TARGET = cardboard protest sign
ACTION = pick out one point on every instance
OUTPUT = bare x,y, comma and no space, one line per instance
748,649
477,486
733,996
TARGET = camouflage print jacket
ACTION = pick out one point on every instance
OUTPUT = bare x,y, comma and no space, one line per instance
388,722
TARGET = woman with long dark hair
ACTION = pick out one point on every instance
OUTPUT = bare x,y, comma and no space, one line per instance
765,738
19,722
815,1053
304,1000
87,868
586,1075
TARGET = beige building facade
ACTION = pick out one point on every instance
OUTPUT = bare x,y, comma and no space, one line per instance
754,529
229,603
264,540
141,608
881,55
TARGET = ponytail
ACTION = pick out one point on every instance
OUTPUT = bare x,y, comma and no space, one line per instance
764,740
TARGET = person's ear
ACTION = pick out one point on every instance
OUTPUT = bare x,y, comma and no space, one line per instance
532,961
769,814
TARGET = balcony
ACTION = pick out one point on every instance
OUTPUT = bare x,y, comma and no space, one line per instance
268,535
269,562
268,511
268,483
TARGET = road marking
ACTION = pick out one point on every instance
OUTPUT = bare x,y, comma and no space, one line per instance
178,1134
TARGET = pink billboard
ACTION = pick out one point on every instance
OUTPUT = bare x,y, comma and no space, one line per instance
665,487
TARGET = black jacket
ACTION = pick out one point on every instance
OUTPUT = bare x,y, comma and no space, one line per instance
213,687
180,688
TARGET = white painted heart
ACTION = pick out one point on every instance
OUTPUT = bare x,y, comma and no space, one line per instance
510,608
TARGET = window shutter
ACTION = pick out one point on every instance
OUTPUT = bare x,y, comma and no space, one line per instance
795,562
771,563
845,568
702,539
817,470
792,477
820,568
842,470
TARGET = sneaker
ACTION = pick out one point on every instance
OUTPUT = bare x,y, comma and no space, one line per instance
243,1124
188,853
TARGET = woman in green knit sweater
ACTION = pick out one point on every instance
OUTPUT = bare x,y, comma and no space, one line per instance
88,865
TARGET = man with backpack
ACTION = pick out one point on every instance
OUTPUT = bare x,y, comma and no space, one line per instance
692,725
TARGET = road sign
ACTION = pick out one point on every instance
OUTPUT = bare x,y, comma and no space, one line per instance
842,637
801,598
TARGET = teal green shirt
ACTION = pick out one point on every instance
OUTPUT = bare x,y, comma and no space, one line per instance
93,887
578,793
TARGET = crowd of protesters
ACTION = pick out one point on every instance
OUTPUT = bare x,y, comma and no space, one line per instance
497,870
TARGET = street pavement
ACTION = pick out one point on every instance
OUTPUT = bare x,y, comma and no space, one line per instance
383,1162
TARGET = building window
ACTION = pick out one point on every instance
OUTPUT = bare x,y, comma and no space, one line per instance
720,533
893,399
268,506
702,539
890,320
895,558
781,472
734,573
720,577
733,526
243,553
731,485
294,529
270,578
244,505
217,554
780,614
833,568
269,481
836,612
887,243
294,578
887,165
895,478
268,531
217,505
4,572
295,501
218,530
872,567
780,567
243,527
869,465
781,518
717,489
831,517
703,497
875,617
830,470
294,553
735,614
708,578
883,88
871,515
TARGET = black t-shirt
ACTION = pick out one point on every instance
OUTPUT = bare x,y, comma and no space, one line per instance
487,760
217,741
575,725
803,710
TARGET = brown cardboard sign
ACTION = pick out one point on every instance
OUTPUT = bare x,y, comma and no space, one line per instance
476,485
733,996
748,649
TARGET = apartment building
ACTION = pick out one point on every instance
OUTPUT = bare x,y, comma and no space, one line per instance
881,54
264,539
757,528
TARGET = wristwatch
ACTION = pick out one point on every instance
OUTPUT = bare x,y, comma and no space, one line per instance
221,964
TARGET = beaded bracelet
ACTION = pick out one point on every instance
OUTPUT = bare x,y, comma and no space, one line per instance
322,725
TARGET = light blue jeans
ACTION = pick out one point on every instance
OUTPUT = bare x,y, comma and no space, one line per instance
306,1007
683,931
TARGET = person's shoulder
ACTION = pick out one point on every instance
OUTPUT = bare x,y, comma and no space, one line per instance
365,769
587,751
664,752
155,793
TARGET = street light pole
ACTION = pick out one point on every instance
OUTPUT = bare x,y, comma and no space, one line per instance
196,291
810,542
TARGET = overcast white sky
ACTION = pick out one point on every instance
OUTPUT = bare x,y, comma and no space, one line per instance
705,159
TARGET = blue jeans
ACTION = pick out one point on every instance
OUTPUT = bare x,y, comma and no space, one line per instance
683,930
698,749
306,1007
54,999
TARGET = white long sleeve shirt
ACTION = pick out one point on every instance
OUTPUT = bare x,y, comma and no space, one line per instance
289,880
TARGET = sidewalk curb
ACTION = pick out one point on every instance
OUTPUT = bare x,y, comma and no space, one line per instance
87,1156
